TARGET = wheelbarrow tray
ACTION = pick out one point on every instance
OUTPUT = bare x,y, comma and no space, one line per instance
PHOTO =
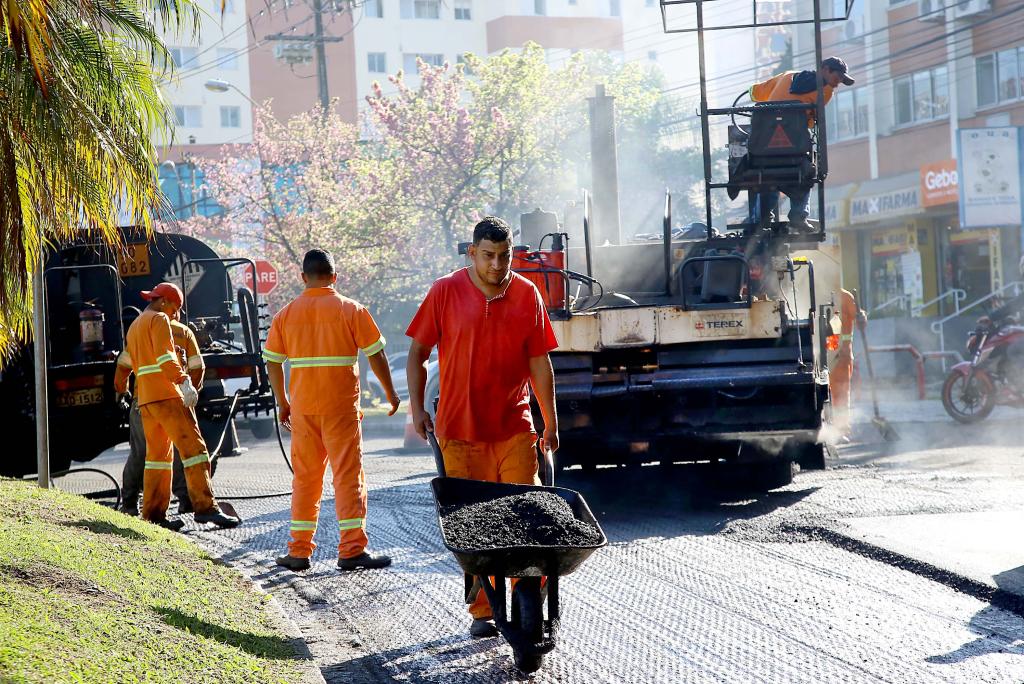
512,561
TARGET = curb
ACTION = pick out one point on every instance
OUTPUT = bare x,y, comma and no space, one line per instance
275,612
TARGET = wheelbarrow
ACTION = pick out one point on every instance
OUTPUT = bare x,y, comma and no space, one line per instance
524,626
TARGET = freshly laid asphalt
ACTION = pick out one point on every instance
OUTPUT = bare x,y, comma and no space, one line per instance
900,563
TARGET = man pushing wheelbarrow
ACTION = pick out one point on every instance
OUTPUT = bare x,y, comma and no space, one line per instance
493,337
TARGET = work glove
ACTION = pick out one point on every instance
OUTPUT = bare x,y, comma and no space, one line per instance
189,394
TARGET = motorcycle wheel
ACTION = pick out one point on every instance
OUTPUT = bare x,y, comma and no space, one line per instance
968,402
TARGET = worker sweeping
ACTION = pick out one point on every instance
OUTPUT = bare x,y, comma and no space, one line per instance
841,373
166,397
187,348
493,337
799,86
321,332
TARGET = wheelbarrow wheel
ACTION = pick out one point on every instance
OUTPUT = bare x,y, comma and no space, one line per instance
528,616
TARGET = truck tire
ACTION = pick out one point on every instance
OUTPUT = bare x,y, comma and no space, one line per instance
811,456
771,474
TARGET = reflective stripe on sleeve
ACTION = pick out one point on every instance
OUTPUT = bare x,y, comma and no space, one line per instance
846,338
375,347
303,526
323,361
195,362
351,523
274,356
158,465
161,360
195,460
124,359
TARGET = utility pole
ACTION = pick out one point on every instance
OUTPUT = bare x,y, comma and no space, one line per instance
42,395
317,41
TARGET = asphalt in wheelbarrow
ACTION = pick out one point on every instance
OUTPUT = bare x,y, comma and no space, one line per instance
534,518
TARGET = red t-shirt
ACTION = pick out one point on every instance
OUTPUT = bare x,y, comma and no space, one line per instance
484,349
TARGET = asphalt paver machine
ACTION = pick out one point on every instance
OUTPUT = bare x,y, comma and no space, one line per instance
700,350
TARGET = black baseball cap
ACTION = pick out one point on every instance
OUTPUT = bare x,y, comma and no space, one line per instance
836,64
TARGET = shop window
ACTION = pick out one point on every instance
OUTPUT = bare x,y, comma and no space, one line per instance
923,96
1000,77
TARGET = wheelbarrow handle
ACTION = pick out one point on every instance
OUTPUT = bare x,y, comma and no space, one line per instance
547,467
438,457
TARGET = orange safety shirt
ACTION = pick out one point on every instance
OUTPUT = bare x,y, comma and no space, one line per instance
484,349
186,340
776,89
321,332
151,354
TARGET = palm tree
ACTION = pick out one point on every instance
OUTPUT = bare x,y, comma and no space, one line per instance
80,105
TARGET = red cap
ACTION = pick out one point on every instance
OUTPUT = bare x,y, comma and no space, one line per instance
168,290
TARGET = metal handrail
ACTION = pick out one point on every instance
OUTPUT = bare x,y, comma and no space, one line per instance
958,296
901,300
939,326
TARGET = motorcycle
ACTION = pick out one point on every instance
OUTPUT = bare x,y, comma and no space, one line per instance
991,378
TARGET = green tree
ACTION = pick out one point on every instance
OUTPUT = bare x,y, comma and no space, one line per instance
80,105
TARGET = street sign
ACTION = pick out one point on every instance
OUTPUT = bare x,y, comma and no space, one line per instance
266,277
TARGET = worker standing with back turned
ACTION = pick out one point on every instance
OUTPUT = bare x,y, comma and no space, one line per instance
166,397
493,337
321,332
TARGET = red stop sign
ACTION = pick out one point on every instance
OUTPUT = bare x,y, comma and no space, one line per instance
266,277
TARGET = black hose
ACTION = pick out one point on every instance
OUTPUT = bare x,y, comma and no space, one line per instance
94,495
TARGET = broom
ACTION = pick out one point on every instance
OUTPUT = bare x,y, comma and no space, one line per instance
883,426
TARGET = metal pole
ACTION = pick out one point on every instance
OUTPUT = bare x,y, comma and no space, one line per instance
42,398
820,119
705,129
321,55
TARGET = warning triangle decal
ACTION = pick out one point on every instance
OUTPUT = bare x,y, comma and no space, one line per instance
779,138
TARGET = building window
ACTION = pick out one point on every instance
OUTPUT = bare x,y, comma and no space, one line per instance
923,96
421,9
540,7
647,3
409,61
1000,76
463,10
227,59
230,117
652,55
614,8
377,62
847,117
184,56
466,69
373,9
188,116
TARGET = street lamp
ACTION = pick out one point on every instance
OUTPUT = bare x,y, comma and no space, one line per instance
219,85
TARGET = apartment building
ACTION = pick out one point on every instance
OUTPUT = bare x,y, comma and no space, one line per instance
937,103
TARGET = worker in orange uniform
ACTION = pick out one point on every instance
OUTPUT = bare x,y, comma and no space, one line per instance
166,397
321,332
187,348
493,337
799,86
841,373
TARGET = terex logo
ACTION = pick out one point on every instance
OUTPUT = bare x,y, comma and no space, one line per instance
722,324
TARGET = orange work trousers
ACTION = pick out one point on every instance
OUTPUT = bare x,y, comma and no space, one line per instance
166,423
839,377
317,440
513,461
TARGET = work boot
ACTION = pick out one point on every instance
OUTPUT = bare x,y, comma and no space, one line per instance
800,226
129,511
482,628
184,507
172,525
364,560
215,516
293,563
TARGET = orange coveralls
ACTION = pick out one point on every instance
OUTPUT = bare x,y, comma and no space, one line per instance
321,332
151,351
776,89
842,372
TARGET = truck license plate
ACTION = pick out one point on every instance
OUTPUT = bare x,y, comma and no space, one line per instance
135,261
82,397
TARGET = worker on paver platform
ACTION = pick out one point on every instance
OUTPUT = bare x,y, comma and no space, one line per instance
321,332
493,337
166,397
187,348
841,373
800,86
